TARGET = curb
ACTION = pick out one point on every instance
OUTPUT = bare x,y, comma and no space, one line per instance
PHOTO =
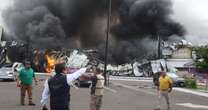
191,92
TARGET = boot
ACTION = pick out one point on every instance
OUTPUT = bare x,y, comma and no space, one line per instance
22,101
157,108
168,107
31,104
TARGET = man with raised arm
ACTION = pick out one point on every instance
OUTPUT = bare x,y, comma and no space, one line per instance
58,88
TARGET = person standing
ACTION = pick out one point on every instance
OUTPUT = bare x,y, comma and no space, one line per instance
97,90
58,88
164,87
24,81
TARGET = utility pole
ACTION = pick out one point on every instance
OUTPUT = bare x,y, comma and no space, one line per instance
27,56
106,76
159,47
1,33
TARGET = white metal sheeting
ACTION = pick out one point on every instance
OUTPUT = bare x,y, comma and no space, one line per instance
77,60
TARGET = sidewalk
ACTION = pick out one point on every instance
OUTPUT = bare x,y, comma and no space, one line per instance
125,78
195,92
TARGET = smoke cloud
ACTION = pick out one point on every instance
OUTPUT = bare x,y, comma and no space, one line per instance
135,25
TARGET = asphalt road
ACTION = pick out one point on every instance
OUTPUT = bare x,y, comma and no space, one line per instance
131,95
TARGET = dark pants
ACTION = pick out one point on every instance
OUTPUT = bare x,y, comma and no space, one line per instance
59,106
24,89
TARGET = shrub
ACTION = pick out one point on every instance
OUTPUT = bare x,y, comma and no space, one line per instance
191,83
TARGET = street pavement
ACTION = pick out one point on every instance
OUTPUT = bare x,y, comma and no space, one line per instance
130,95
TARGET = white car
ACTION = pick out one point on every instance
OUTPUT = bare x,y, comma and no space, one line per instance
177,81
10,71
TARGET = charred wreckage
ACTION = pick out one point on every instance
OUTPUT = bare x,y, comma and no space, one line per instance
52,29
44,60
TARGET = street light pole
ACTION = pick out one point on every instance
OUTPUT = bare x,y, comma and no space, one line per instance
159,47
106,42
28,49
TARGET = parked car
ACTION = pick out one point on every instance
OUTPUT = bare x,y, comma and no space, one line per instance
177,81
10,71
81,81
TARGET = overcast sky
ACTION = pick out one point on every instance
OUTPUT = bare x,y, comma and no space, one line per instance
194,16
190,13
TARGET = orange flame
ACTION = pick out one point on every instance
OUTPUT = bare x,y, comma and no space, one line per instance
50,64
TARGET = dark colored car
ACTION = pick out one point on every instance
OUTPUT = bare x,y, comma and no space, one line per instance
81,81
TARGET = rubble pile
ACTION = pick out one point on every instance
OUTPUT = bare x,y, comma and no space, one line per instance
89,58
77,60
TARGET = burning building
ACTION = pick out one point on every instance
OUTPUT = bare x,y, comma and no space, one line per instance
135,26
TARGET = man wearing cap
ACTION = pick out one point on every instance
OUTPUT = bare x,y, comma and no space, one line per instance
24,81
164,87
58,88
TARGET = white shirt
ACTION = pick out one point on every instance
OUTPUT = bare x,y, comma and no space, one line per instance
69,77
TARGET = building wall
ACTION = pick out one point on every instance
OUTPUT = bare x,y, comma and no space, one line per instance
178,63
182,53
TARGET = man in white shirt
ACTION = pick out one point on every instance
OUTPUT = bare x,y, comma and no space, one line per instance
58,88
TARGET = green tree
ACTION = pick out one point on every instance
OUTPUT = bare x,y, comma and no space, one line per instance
201,60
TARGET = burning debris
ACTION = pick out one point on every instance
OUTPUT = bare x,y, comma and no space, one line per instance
50,63
136,24
44,61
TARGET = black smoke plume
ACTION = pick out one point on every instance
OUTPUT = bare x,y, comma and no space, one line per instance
135,25
142,18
